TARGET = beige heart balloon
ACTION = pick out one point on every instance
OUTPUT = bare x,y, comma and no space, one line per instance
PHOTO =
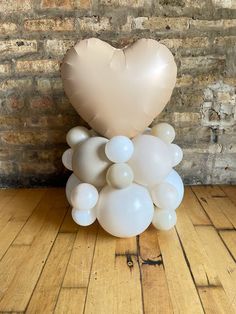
118,91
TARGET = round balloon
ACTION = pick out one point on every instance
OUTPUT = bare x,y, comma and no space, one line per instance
84,196
125,212
164,219
165,195
77,135
67,158
119,149
151,160
164,131
176,154
71,183
175,179
120,175
83,217
89,161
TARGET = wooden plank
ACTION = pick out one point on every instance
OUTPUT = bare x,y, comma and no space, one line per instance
221,259
193,208
15,214
156,295
79,267
183,293
19,291
211,206
30,230
10,264
126,246
215,301
228,208
71,301
114,285
47,289
229,238
202,270
6,196
230,191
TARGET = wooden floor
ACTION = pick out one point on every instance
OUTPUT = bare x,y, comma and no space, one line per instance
48,264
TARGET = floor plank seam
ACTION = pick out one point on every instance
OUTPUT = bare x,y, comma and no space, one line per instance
95,243
190,270
140,272
225,245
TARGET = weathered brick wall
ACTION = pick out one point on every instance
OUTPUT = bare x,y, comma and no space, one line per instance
35,114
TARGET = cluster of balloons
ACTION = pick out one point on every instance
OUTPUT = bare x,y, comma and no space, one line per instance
124,183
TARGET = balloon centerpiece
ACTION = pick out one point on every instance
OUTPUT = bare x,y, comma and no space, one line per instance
123,175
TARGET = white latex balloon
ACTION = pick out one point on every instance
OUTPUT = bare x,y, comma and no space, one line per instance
165,196
151,160
119,149
175,179
164,131
125,212
84,196
77,135
67,158
176,154
164,219
83,217
71,183
89,161
120,175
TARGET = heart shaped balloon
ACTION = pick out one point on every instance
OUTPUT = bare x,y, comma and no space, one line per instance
119,91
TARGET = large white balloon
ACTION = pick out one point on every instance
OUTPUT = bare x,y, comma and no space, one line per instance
89,161
77,135
83,217
164,219
165,195
67,158
120,175
175,179
164,131
151,160
119,149
176,154
84,196
125,212
71,183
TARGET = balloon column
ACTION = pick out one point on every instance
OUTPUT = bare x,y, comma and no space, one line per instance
123,177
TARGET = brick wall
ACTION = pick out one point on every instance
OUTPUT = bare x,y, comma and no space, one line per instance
35,113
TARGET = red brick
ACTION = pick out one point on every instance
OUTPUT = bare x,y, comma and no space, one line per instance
14,103
42,103
17,47
33,137
57,4
53,25
8,6
37,66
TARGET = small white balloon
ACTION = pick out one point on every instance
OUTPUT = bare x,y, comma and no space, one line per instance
71,183
77,135
164,131
120,175
67,158
84,196
83,217
119,149
165,196
176,154
164,219
175,179
125,212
